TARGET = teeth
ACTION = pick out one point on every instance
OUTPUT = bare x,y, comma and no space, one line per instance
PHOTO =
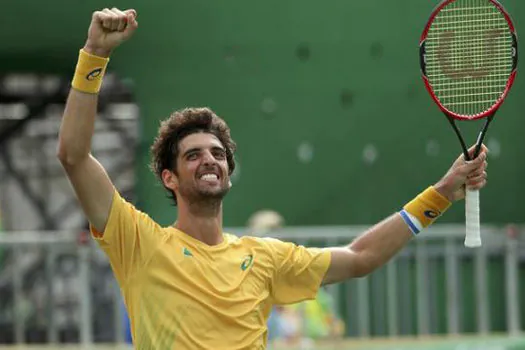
209,177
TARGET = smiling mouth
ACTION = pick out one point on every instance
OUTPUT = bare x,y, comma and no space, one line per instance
209,177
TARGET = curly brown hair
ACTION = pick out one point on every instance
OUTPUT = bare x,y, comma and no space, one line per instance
165,148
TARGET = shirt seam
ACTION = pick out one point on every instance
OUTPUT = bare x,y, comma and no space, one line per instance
145,264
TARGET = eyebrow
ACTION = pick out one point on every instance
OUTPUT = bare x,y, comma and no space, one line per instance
198,149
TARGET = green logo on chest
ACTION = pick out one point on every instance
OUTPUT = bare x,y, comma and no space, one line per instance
186,252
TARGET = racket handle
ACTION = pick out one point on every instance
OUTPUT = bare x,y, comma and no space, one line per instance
473,235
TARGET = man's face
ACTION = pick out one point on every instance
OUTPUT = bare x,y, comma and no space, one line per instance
202,168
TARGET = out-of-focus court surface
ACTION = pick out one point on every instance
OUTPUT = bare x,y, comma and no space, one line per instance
427,343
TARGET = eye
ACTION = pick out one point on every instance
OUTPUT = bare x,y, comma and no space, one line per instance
219,154
192,156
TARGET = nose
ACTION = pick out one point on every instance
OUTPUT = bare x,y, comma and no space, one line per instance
207,158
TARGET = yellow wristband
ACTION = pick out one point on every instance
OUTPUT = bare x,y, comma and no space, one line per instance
89,72
427,206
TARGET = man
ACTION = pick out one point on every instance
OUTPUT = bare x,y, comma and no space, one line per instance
189,285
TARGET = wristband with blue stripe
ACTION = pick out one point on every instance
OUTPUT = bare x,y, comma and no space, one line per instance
410,222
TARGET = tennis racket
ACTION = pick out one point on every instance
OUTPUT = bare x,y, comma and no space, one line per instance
468,57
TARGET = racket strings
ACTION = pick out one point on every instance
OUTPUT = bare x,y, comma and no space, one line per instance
469,56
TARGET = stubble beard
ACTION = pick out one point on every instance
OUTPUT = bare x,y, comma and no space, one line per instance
204,200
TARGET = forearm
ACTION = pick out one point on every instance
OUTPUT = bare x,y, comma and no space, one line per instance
77,126
80,111
380,243
384,240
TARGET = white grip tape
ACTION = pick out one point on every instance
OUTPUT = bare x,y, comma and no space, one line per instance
473,236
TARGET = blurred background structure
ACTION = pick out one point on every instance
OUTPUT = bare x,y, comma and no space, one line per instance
335,131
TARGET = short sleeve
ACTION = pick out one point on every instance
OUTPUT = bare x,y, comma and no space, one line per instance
129,239
299,271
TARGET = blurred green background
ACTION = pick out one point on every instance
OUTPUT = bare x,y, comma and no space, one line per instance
324,99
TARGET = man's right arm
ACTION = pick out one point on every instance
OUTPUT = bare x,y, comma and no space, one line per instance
90,181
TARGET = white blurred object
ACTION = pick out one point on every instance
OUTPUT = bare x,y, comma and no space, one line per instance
370,154
265,220
495,147
305,152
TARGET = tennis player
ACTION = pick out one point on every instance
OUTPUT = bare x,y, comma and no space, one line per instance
190,285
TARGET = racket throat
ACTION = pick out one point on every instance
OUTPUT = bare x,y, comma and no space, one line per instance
460,138
481,135
479,141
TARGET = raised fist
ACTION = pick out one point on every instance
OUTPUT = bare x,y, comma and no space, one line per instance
108,29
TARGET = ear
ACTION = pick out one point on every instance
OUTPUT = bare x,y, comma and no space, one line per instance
170,180
230,183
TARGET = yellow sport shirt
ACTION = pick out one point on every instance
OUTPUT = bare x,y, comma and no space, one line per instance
183,294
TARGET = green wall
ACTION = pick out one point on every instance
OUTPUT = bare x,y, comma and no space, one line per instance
338,75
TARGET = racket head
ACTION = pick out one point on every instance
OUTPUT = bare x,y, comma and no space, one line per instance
468,57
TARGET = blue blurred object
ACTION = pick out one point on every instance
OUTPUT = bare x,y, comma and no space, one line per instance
126,324
273,325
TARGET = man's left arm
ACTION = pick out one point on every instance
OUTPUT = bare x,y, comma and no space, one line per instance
380,243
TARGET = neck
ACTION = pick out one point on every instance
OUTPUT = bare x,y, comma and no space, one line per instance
201,221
